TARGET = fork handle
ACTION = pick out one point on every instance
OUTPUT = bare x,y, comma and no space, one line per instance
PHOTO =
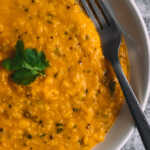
134,106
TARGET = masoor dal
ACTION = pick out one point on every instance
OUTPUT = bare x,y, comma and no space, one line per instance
75,104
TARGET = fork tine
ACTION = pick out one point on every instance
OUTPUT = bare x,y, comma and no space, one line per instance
98,13
89,12
105,11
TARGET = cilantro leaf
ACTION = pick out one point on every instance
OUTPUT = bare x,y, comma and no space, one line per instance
7,64
24,76
12,64
27,64
35,60
19,49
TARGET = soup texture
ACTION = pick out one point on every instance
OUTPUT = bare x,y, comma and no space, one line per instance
77,101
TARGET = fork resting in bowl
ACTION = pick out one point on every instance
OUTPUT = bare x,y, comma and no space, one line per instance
111,39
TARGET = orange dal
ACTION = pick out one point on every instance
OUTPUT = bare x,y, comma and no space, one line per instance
76,103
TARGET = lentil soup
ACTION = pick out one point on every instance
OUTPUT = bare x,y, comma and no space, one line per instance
75,103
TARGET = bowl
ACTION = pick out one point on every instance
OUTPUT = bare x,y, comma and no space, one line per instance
131,23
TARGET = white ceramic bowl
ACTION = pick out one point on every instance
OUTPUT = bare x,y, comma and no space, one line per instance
137,41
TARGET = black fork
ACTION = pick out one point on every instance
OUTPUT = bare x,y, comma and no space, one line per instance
111,39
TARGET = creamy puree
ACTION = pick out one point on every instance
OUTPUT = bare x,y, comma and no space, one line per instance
75,104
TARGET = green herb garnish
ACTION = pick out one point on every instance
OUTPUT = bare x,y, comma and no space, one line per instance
59,124
81,141
27,64
29,136
59,130
75,109
42,135
112,86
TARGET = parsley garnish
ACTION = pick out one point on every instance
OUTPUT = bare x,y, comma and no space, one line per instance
27,64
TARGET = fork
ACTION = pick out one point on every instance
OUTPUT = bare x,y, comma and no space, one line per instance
111,39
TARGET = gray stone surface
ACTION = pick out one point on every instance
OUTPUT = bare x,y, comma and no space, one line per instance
134,142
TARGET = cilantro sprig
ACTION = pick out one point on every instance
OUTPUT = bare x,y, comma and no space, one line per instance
26,65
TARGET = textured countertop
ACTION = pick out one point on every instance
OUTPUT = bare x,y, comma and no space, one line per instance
134,142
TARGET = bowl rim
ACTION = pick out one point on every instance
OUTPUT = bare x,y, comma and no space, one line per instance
132,5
